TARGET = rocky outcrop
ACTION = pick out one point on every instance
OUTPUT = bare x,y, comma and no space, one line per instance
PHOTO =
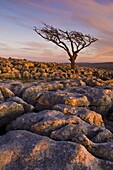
25,150
48,99
85,114
59,119
102,150
60,126
100,99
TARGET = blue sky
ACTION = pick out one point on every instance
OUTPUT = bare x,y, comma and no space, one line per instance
17,19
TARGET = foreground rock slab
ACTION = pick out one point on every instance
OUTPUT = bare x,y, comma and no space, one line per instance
101,150
59,126
85,114
27,151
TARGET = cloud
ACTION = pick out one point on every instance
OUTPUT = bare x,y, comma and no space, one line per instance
96,17
35,44
3,45
93,14
16,20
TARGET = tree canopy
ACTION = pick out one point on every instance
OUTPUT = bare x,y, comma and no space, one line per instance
71,41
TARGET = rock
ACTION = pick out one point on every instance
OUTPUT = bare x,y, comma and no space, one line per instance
25,150
69,131
48,99
26,75
27,107
1,98
51,123
29,64
85,114
10,111
103,136
30,91
58,126
42,122
6,92
109,125
100,150
73,82
16,88
80,110
21,68
98,99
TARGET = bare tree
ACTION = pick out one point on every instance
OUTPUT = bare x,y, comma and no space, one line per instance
71,41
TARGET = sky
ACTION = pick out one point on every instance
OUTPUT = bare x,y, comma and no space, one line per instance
18,17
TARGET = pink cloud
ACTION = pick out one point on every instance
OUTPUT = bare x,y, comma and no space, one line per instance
93,14
96,16
34,44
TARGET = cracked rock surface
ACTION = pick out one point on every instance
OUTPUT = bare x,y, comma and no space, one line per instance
65,124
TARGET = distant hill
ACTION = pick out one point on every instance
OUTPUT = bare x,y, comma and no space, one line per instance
105,65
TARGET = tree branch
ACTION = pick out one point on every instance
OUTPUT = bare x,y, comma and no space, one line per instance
77,40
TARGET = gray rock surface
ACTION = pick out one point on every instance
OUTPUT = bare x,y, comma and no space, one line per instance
55,117
27,107
27,151
100,101
6,92
101,150
85,114
10,111
59,126
48,99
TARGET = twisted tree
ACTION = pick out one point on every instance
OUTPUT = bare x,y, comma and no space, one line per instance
71,41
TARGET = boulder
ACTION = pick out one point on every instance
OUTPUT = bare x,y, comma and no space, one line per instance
48,99
30,90
58,126
85,114
10,111
69,131
42,122
16,88
27,107
100,150
6,92
99,100
27,151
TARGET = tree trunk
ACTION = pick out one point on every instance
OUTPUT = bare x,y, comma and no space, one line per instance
72,59
72,63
